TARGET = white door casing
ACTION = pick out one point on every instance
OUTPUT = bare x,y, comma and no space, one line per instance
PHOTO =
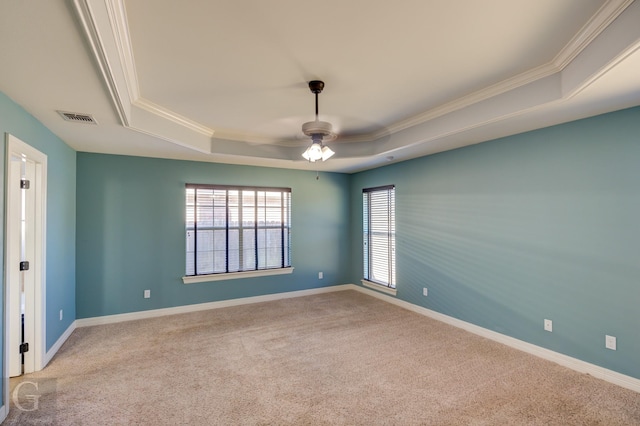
22,159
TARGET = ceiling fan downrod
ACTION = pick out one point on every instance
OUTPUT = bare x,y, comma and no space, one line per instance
318,130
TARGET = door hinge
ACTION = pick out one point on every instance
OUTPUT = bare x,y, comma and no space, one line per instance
24,347
24,184
24,266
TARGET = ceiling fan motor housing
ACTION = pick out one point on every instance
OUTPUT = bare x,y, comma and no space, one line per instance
320,128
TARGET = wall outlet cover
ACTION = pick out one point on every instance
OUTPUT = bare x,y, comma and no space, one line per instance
548,325
610,342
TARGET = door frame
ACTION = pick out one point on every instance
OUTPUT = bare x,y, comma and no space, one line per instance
16,147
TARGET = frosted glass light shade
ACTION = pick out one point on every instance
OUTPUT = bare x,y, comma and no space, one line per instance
326,153
314,153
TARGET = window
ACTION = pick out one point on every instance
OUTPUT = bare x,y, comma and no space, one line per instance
236,229
379,236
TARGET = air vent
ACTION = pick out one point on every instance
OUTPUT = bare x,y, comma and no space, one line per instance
77,117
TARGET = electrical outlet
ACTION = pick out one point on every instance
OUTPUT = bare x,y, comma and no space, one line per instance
425,291
60,314
147,294
610,342
320,275
548,325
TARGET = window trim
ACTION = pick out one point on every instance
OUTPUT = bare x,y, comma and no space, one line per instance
258,272
380,287
390,287
192,279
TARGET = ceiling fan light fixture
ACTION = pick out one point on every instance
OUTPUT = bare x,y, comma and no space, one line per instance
314,153
326,153
318,131
317,152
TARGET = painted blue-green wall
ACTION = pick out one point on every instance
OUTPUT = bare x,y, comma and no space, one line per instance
539,225
504,233
61,207
130,232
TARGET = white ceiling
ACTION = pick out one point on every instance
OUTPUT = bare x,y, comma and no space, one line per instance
226,81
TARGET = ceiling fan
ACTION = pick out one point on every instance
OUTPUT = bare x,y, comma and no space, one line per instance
318,131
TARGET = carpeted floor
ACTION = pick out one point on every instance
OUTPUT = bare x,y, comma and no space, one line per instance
338,358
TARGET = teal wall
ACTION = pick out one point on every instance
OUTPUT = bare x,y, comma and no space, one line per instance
504,234
539,225
130,232
61,229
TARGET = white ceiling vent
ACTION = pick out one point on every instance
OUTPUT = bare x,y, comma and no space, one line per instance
77,117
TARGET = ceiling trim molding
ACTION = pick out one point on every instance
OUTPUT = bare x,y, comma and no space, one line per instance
598,23
608,67
120,28
589,32
106,27
476,97
172,116
87,15
619,40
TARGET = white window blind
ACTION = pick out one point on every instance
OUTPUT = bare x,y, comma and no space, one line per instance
379,235
234,229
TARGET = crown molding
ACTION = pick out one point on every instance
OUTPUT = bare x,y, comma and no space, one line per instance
162,112
589,32
120,28
105,25
87,16
489,92
107,30
607,13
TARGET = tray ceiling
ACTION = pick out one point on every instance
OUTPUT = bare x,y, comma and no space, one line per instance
226,81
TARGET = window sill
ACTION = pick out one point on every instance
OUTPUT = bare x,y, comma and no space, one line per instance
235,275
379,287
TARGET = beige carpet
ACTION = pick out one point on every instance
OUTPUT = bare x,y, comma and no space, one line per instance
337,358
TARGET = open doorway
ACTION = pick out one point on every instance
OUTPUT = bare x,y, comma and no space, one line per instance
25,205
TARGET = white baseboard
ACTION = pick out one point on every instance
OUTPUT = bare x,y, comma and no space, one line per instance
56,346
111,319
610,376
